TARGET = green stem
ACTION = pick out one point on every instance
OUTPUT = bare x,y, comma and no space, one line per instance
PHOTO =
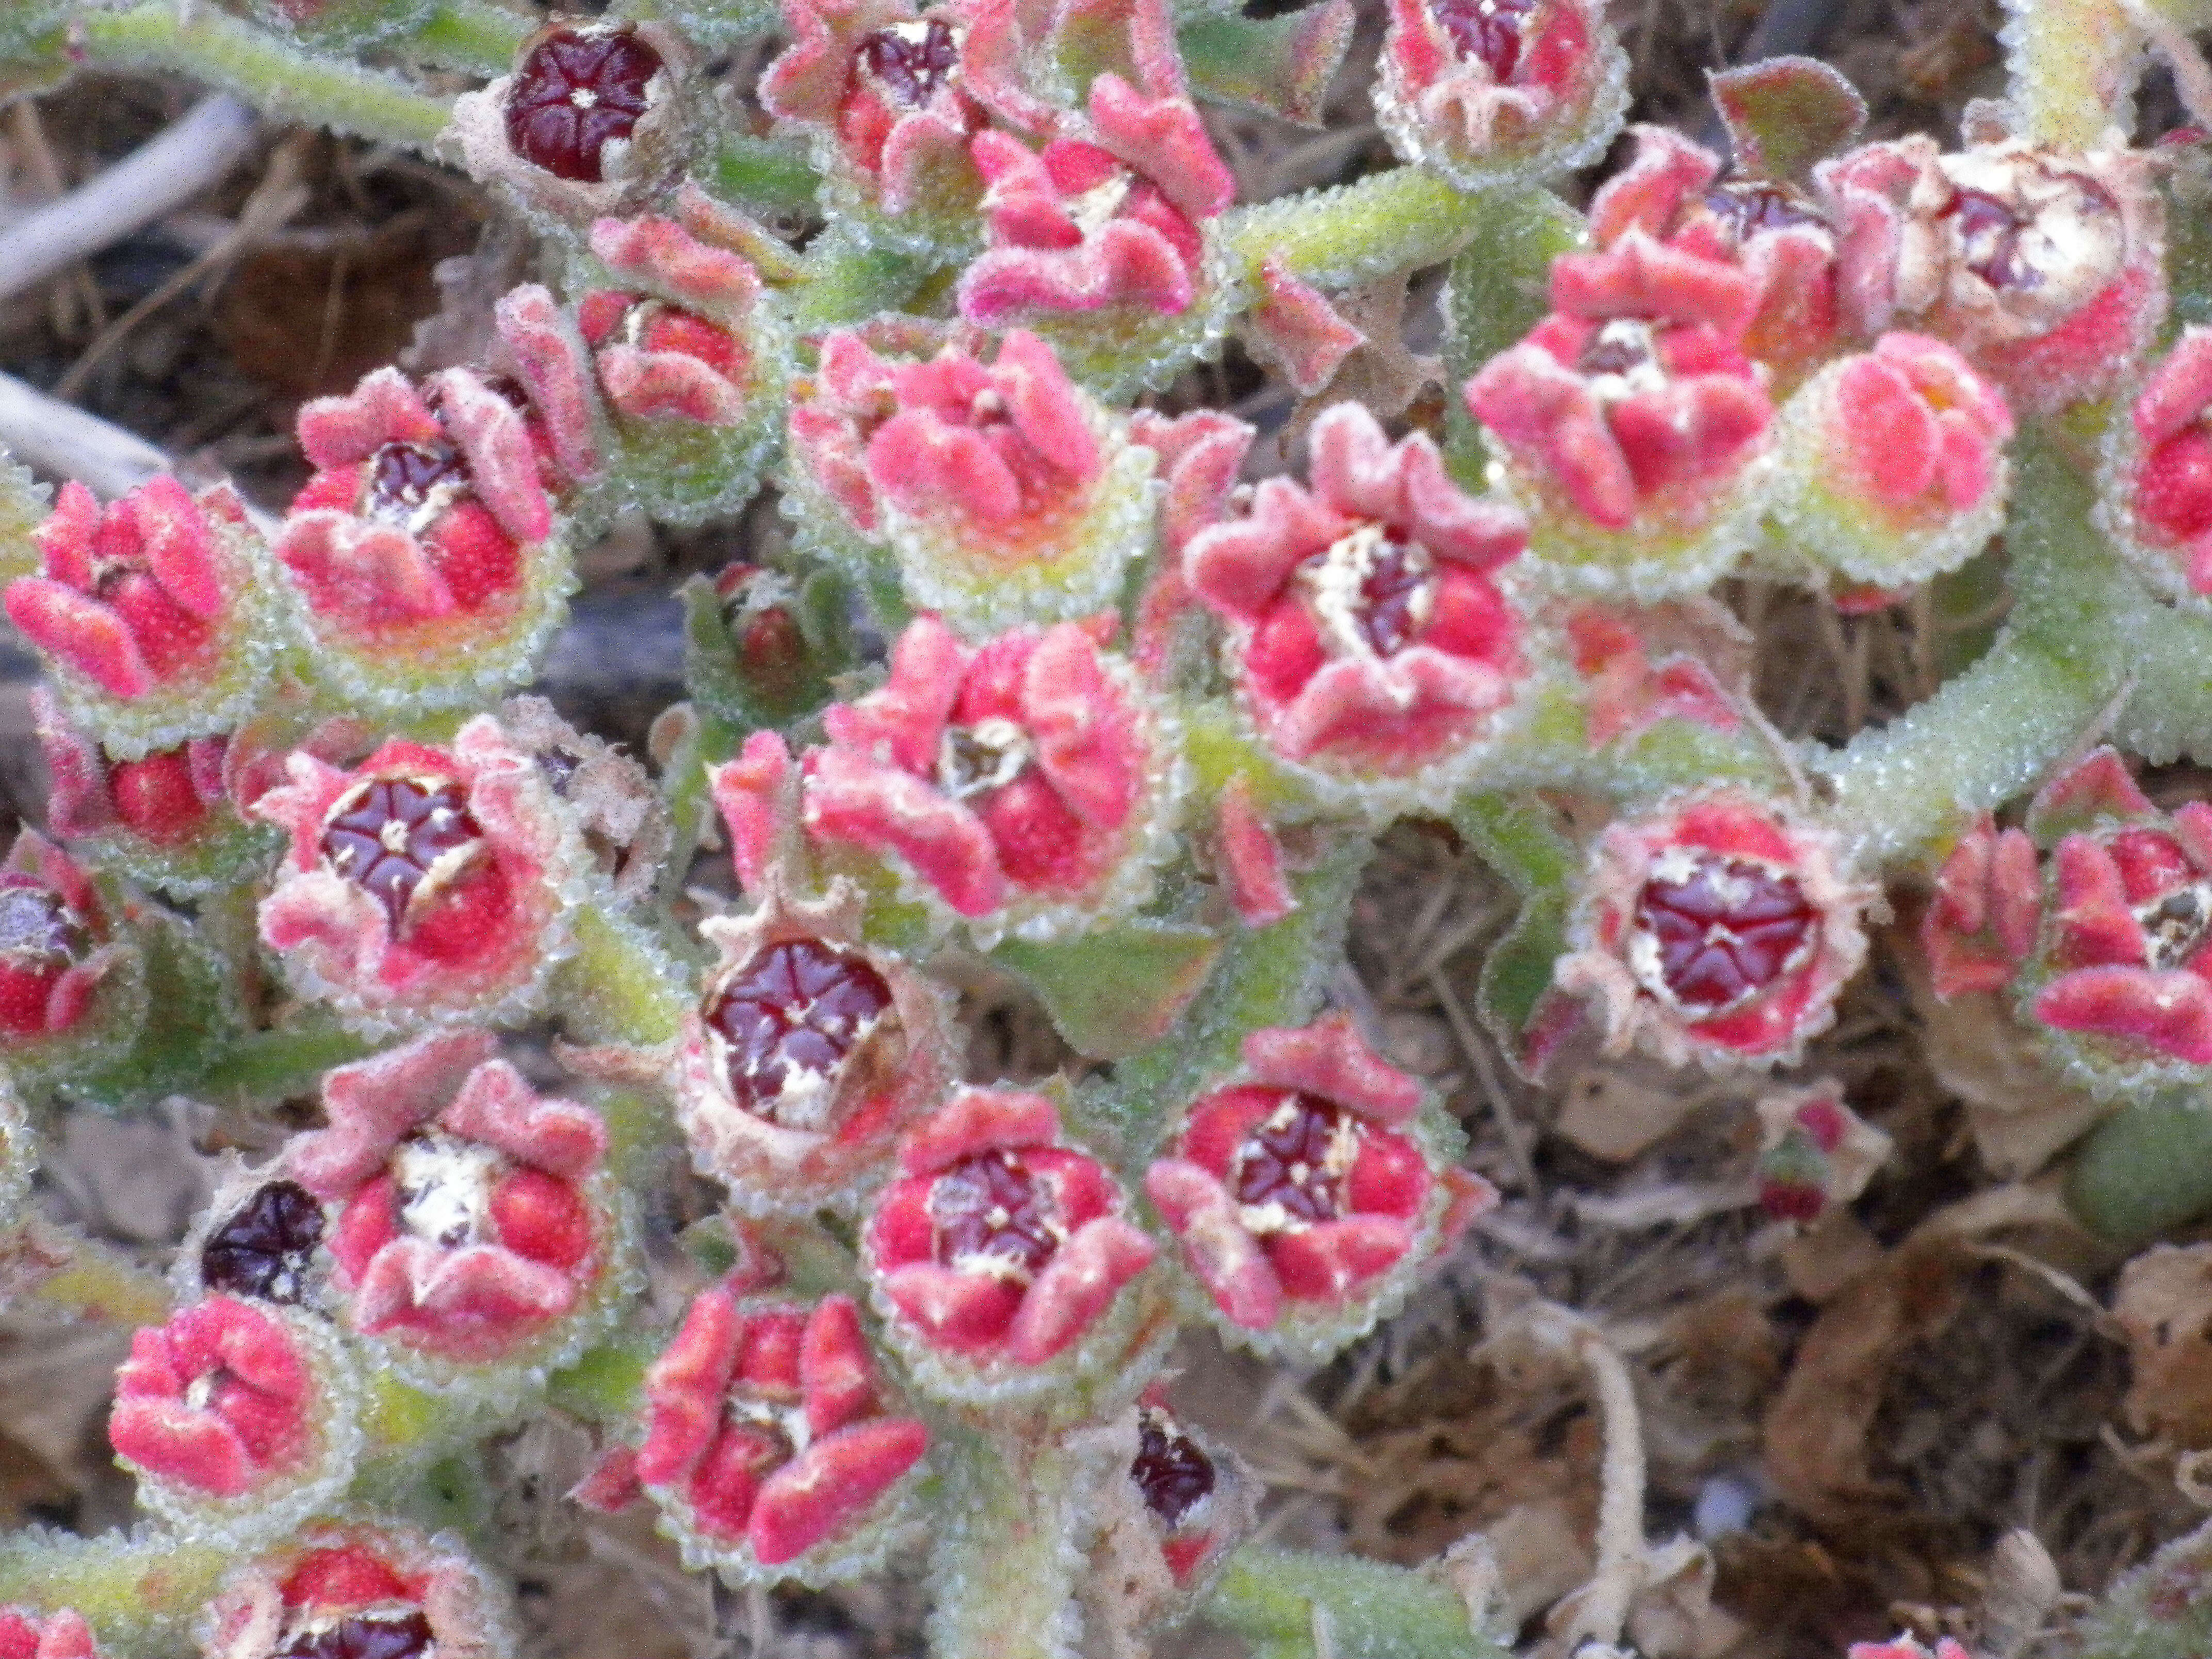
771,174
288,1061
273,75
619,987
1989,733
1291,1604
1003,1573
479,36
63,1271
713,24
135,1588
2073,66
849,282
1356,233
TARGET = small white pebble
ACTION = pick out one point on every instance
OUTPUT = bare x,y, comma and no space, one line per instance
1724,1505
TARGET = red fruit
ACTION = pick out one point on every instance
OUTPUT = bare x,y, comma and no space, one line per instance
798,1007
397,838
910,61
1486,30
1717,936
1171,1469
576,91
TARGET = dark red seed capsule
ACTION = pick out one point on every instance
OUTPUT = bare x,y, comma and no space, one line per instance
1295,1161
388,835
266,1247
1171,1469
992,1205
576,91
1488,31
797,1006
1721,935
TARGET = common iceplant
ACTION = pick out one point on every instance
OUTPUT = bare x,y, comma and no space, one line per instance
1040,677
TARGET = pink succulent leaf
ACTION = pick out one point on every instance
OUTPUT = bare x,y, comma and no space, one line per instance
661,255
2163,479
497,1106
81,632
2170,1012
1667,172
979,1121
2097,789
1161,137
1251,857
661,386
502,458
27,1633
1329,1058
1640,277
1079,225
1201,454
808,80
1784,115
887,811
1470,1198
411,1280
1085,1274
2090,903
758,796
832,1485
1225,1258
373,1104
987,444
1239,567
1330,1262
385,408
1095,764
553,361
1981,922
350,566
836,1371
611,1484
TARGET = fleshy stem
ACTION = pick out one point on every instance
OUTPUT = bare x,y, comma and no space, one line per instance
131,1587
1004,1573
2073,68
618,987
478,35
63,1271
1988,733
273,75
1352,234
1289,1604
